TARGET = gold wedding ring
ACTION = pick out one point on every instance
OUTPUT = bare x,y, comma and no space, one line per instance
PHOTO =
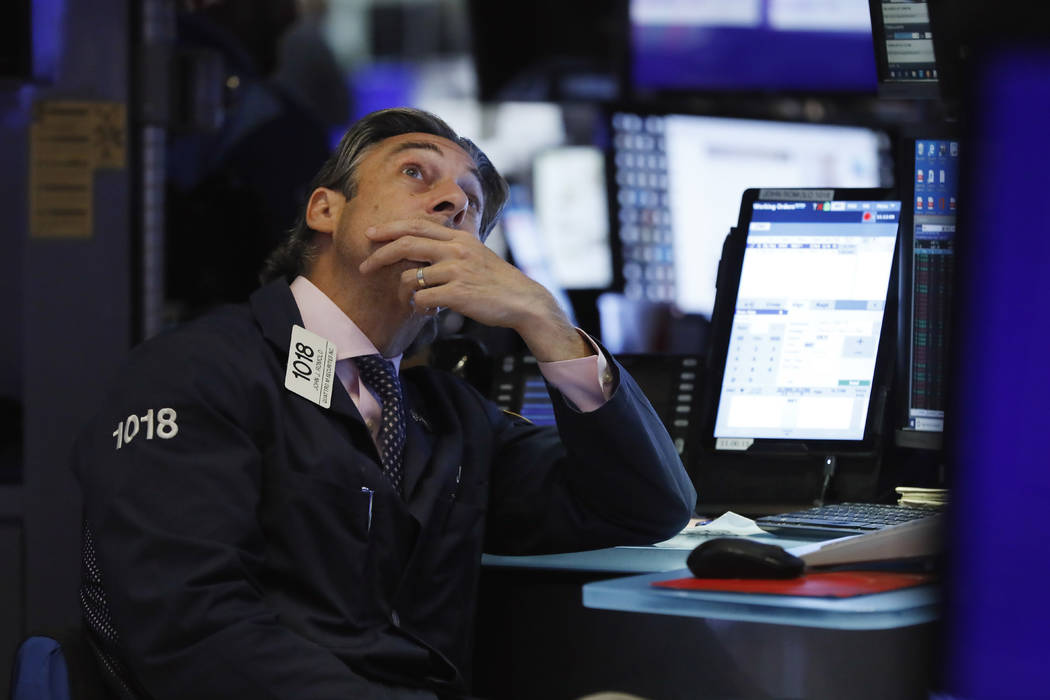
419,277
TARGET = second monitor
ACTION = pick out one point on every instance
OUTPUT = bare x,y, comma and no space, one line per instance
799,352
929,177
677,180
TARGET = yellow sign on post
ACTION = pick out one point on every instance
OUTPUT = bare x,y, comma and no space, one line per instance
69,140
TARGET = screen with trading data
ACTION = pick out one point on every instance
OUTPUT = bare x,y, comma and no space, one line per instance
935,175
807,321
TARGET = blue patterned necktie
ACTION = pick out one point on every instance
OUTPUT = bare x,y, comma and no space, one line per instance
380,376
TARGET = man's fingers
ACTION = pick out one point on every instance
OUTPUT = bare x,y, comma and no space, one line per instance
392,230
407,248
431,276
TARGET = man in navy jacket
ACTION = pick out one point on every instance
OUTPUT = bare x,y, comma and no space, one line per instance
254,526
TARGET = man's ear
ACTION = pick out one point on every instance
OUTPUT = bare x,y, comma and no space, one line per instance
323,208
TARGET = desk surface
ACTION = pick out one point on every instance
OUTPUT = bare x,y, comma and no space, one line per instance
635,593
910,606
666,556
617,560
532,615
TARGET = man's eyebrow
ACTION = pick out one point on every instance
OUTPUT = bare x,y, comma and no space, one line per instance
411,145
428,146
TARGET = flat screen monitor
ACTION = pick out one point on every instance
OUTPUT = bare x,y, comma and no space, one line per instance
548,50
677,181
904,48
572,216
800,343
930,191
812,46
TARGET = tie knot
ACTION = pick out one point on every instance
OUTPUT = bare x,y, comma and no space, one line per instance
379,374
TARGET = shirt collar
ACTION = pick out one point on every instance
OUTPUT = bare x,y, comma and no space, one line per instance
323,316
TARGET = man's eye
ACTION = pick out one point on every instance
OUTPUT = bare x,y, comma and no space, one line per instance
412,171
475,203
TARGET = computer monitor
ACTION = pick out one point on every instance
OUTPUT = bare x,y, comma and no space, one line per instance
677,179
929,188
572,216
905,61
780,46
548,50
802,336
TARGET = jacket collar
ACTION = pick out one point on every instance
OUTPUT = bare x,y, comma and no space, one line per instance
275,311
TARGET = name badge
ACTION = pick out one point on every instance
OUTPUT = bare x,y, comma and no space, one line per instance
311,367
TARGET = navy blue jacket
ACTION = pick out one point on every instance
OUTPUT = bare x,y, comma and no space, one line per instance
248,545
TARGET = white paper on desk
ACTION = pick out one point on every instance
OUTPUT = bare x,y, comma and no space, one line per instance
727,524
918,538
806,549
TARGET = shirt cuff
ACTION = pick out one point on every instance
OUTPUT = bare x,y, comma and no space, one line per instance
585,381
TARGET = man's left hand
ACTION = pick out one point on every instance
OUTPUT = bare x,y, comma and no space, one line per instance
463,274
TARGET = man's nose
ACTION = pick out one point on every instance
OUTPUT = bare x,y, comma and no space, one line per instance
450,201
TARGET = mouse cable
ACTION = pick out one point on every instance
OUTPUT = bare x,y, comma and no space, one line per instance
830,462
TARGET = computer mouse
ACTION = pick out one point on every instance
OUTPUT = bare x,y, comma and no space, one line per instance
738,557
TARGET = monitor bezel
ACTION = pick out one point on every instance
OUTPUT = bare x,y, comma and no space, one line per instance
721,327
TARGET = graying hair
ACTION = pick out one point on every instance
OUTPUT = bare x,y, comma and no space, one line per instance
295,254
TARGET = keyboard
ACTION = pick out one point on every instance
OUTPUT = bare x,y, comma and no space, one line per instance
843,519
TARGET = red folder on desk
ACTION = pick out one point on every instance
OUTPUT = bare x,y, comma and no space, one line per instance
830,584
